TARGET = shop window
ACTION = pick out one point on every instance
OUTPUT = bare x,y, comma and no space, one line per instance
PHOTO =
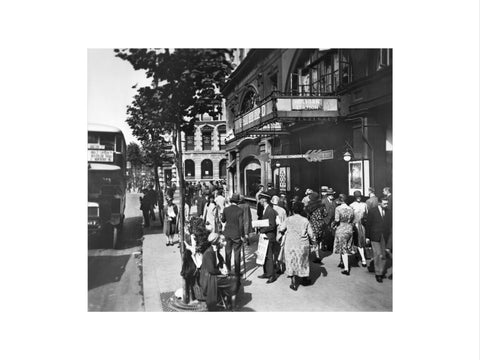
190,143
108,140
189,169
207,169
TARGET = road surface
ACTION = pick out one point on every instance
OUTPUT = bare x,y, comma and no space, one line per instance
114,275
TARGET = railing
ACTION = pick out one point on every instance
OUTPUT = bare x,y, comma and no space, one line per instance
291,101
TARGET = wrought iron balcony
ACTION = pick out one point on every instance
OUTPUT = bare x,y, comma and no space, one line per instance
271,113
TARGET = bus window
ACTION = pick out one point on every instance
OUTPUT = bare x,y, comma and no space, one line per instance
92,139
118,147
108,140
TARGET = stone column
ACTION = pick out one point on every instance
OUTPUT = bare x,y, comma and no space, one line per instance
237,164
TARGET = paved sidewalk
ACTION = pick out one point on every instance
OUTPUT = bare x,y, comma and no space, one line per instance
330,290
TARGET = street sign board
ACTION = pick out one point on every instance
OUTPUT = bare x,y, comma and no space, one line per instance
318,155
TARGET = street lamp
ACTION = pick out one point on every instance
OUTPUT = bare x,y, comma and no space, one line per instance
277,164
348,154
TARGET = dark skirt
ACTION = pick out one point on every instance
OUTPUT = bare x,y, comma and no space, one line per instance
170,227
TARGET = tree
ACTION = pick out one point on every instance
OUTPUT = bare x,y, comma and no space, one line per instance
185,84
135,157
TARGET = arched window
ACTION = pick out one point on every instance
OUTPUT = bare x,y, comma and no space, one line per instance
189,169
207,138
249,100
223,168
207,169
222,133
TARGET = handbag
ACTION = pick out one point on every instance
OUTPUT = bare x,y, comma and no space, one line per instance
368,250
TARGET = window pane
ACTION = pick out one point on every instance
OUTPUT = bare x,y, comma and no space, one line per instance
118,143
92,139
108,140
190,142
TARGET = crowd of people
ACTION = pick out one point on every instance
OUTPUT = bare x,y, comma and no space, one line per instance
305,228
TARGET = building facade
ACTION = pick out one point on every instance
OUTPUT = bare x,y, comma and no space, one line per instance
204,156
311,118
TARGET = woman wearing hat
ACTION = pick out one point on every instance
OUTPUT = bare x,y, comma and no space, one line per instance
213,274
298,233
210,214
344,231
359,217
316,213
170,222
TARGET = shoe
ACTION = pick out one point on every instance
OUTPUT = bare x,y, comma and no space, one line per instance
271,279
264,276
390,277
306,281
293,287
346,272
341,266
364,264
317,261
378,278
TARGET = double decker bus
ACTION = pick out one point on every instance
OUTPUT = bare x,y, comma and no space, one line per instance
106,180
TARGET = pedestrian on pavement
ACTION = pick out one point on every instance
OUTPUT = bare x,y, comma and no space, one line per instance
343,232
151,198
170,221
259,203
247,218
372,201
145,207
316,214
214,279
278,253
271,190
298,235
234,234
379,228
298,192
160,205
389,244
330,205
210,214
200,201
284,202
220,202
270,232
360,212
306,198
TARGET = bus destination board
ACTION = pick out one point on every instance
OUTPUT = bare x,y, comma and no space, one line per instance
100,155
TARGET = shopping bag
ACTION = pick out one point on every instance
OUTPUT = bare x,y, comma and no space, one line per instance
368,252
262,249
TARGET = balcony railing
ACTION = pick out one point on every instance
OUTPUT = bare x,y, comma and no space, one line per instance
278,106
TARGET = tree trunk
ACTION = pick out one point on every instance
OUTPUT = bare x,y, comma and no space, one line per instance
181,210
157,188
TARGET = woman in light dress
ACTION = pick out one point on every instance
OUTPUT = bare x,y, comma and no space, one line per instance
343,231
210,214
360,211
298,236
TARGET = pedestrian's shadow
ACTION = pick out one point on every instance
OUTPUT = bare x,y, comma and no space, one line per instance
317,270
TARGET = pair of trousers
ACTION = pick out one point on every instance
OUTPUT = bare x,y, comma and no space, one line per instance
236,244
146,217
269,265
379,259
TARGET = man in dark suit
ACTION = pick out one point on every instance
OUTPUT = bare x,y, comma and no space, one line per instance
330,205
379,228
271,233
247,218
234,232
271,191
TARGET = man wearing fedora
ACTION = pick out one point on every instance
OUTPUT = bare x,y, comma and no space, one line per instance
379,227
234,232
271,234
330,205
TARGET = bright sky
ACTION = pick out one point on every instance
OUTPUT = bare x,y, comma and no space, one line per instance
110,81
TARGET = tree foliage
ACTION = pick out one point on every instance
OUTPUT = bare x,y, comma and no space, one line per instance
134,155
185,83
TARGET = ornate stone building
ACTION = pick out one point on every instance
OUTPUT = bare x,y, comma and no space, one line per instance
310,117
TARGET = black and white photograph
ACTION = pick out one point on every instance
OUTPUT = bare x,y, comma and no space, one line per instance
216,179
257,150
